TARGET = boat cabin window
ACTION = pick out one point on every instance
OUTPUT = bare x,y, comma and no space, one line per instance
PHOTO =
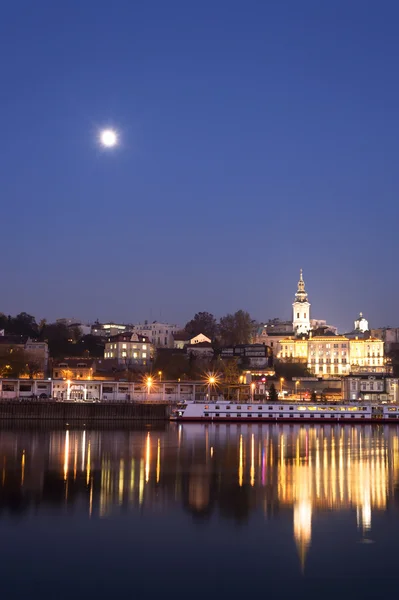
280,408
206,414
249,415
206,407
270,407
259,408
217,414
238,415
227,407
238,407
217,407
249,407
291,408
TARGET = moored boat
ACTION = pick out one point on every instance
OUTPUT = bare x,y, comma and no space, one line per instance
284,411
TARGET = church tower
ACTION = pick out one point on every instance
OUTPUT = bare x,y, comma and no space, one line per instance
301,309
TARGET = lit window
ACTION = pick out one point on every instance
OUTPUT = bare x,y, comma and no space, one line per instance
124,346
124,354
144,354
144,347
134,354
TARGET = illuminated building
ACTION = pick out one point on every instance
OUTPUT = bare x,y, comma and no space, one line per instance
301,309
129,349
159,334
329,355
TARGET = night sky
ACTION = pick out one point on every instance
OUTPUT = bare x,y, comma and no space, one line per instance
256,138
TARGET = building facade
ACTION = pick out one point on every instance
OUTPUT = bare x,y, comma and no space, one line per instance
335,355
371,388
159,334
73,368
130,349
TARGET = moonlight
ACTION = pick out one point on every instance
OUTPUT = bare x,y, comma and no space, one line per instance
108,138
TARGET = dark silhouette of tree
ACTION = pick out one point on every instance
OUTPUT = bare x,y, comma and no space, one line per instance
12,361
203,322
290,369
236,329
23,324
273,395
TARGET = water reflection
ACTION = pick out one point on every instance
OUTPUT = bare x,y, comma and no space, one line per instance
232,471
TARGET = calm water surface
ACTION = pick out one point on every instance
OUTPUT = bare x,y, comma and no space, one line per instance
200,510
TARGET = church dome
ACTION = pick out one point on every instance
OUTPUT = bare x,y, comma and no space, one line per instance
361,324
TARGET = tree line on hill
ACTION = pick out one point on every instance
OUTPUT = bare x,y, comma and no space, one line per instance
62,340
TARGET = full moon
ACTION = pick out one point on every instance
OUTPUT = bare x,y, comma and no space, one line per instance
108,138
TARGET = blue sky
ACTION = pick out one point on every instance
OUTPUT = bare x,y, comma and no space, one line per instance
256,138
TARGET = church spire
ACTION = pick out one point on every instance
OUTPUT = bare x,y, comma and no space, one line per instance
301,294
301,309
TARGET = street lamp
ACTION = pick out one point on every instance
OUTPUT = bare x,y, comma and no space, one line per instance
149,384
296,389
281,385
160,375
252,391
211,381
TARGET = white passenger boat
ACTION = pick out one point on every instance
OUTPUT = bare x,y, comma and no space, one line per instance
285,411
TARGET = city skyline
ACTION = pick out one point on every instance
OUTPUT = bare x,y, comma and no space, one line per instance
253,139
313,315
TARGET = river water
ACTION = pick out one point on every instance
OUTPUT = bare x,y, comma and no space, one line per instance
200,511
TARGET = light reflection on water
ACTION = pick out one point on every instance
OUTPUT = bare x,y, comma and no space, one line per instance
232,473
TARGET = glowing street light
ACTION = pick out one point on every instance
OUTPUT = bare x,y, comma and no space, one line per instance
212,380
281,385
296,388
160,375
252,391
149,384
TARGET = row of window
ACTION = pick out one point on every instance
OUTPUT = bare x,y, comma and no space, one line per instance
238,415
124,346
319,408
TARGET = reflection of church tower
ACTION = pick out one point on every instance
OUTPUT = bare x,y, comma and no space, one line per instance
302,528
301,309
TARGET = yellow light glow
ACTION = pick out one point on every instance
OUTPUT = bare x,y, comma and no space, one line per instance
23,467
159,460
240,466
147,458
88,464
66,454
121,479
252,473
